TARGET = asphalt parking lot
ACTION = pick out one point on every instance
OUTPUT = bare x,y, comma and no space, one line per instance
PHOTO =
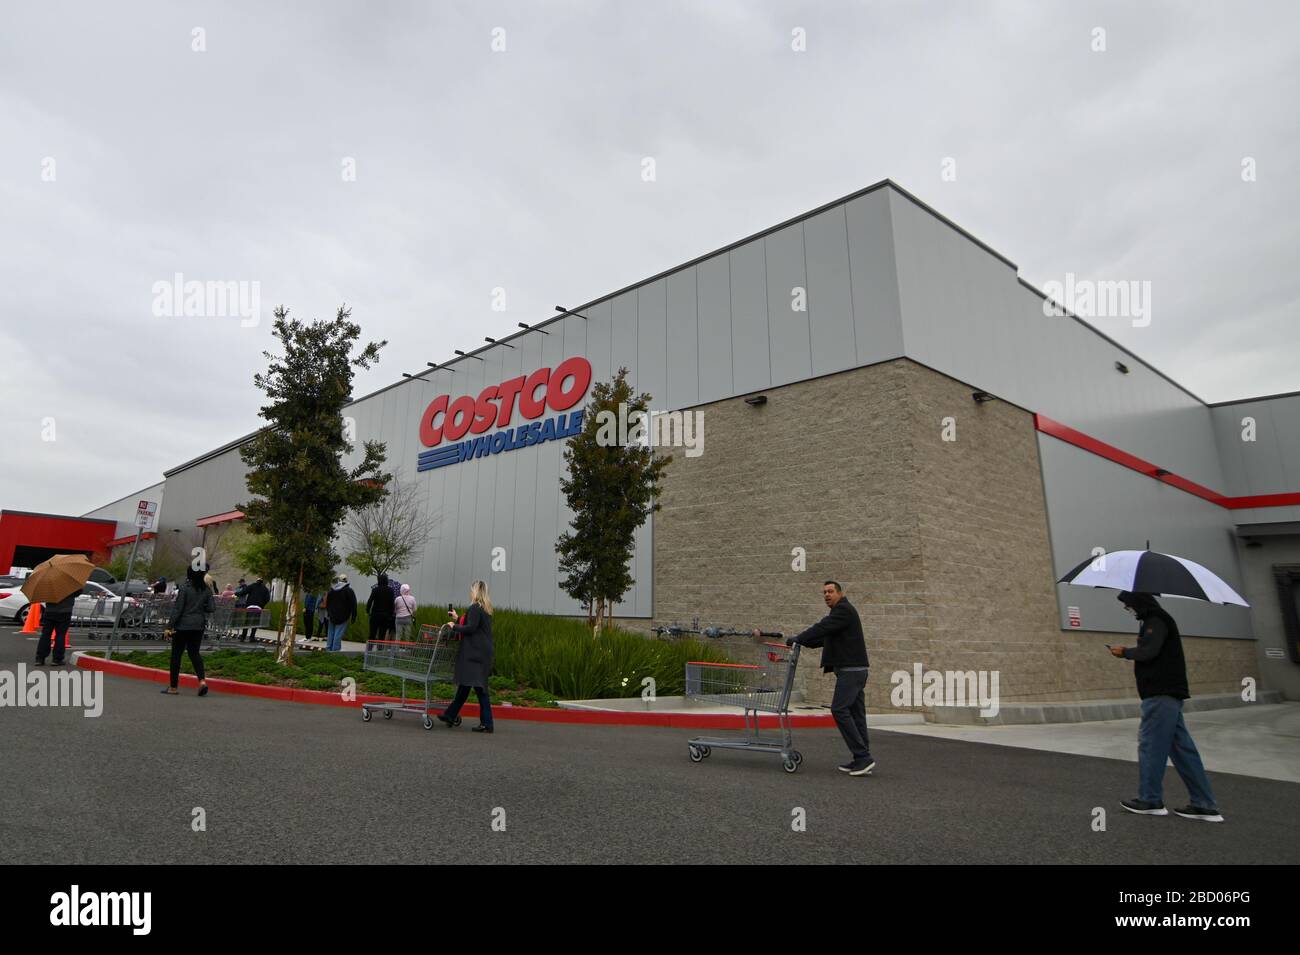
285,782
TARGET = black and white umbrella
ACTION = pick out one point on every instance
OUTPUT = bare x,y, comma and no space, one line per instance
1147,572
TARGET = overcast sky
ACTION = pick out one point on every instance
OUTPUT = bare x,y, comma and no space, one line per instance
521,169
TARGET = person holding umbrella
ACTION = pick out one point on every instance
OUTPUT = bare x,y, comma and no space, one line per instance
56,583
189,619
1160,668
1161,672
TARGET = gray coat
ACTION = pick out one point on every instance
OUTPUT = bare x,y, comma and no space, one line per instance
191,609
474,656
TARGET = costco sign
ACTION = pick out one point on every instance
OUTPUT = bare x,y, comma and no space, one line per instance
446,423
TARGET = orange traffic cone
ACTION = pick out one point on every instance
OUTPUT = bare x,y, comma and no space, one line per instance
33,624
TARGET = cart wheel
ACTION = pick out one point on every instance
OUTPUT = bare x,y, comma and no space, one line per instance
365,715
428,722
790,765
797,757
696,754
705,751
388,714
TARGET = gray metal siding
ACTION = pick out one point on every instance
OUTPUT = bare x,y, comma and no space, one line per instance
1092,502
790,342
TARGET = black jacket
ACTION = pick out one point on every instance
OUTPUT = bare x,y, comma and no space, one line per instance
380,604
62,610
341,605
476,650
1158,662
257,594
839,634
193,604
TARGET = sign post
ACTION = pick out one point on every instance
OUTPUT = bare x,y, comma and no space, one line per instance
144,516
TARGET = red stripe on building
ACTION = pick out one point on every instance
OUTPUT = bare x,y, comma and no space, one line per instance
1088,443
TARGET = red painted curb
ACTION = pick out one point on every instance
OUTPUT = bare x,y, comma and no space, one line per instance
720,721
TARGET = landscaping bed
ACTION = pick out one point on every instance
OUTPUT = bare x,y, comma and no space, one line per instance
558,655
322,671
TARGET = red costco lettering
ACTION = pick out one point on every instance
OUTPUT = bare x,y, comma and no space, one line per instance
494,406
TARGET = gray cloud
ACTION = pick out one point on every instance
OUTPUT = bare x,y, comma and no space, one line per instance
521,170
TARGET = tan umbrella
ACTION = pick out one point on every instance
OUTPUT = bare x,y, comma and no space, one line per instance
61,575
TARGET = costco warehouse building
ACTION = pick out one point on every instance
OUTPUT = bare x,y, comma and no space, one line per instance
950,549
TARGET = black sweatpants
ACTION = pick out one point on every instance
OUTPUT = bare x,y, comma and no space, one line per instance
186,641
849,707
53,625
381,628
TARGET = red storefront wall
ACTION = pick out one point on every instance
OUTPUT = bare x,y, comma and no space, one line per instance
52,531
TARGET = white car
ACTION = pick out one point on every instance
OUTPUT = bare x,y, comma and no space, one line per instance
96,604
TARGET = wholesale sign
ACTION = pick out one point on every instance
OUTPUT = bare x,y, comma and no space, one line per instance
447,423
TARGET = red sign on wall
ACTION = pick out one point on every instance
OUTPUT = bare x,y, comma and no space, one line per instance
494,406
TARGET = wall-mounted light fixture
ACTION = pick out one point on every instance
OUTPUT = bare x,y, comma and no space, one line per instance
755,401
526,328
562,309
463,355
434,364
1121,368
495,342
979,397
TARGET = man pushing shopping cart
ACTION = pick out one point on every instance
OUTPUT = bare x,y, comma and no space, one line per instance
844,653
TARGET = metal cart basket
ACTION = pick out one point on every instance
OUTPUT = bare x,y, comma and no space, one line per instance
430,659
762,687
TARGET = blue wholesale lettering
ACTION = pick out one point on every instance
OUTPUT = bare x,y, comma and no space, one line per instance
523,436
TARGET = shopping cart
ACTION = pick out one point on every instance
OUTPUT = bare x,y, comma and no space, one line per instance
762,687
428,660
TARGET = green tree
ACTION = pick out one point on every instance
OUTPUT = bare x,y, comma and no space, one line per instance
611,488
301,490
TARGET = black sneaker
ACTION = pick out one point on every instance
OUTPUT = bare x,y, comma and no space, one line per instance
40,661
862,767
1145,808
450,723
847,767
482,729
1199,812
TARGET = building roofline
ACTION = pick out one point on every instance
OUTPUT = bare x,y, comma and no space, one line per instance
1242,401
129,495
62,517
762,233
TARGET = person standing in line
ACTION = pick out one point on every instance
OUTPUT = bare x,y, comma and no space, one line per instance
473,658
341,606
56,618
1161,673
309,602
404,612
322,615
844,653
194,602
379,606
256,596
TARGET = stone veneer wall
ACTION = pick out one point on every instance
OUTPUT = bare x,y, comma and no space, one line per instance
941,545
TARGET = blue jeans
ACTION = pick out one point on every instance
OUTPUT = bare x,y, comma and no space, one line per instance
1162,735
336,631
